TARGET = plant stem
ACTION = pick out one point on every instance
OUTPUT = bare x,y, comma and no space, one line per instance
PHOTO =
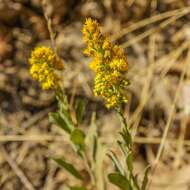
125,129
127,142
49,25
88,167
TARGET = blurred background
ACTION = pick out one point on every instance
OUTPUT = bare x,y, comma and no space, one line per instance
156,37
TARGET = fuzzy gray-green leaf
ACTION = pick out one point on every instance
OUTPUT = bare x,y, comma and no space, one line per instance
58,120
116,162
69,167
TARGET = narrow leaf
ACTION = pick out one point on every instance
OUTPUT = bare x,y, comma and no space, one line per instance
116,162
130,162
95,146
78,137
58,120
135,181
63,104
64,109
126,136
123,148
80,109
67,119
69,167
120,181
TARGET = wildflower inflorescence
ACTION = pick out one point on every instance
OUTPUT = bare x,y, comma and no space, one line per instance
109,63
44,63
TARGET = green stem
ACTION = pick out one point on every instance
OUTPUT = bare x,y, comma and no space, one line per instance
126,128
126,135
123,119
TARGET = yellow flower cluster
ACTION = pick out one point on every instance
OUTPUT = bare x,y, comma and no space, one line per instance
44,62
109,63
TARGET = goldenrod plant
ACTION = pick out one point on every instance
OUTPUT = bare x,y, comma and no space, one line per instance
45,65
110,65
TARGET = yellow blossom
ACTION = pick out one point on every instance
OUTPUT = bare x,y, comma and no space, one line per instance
109,64
44,63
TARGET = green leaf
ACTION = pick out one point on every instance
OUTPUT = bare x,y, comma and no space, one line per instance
126,136
95,147
116,162
60,121
64,109
123,148
120,181
135,181
63,104
130,162
145,180
67,118
78,137
69,167
77,188
80,109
